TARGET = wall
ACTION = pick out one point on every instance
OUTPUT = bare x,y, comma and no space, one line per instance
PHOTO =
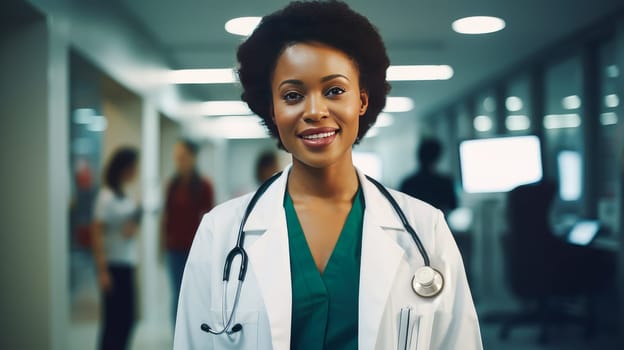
395,146
242,155
33,245
122,110
169,135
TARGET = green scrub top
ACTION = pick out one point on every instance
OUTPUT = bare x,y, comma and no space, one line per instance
325,307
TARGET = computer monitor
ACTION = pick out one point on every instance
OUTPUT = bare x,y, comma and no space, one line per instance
584,232
499,164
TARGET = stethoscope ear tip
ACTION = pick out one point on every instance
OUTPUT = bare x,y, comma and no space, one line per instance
205,328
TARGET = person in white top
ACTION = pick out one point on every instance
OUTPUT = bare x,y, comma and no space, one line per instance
114,249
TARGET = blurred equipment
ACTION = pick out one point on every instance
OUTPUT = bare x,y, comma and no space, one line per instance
584,232
499,164
547,273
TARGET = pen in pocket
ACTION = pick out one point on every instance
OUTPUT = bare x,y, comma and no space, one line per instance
407,335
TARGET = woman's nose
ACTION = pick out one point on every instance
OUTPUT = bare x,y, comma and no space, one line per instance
315,109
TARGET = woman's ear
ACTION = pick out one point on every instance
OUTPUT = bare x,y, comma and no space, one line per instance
272,111
363,102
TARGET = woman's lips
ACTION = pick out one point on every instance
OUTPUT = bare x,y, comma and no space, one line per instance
318,138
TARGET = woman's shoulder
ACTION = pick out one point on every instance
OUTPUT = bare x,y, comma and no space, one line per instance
220,223
105,194
413,204
230,209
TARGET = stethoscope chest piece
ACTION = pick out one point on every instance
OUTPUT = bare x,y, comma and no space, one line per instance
427,282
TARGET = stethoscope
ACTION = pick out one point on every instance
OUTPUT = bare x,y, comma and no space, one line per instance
427,281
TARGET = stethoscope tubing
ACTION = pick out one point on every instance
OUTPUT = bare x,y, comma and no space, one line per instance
401,214
239,250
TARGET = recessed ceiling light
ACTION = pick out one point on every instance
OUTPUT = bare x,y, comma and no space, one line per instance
612,100
98,124
242,25
83,115
419,72
214,108
482,123
201,76
228,76
571,102
478,25
233,127
489,104
398,104
559,121
517,122
513,103
613,71
384,120
608,118
372,133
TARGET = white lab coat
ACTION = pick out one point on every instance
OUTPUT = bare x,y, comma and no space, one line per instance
389,259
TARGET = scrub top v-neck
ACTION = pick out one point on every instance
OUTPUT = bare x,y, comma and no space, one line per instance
325,306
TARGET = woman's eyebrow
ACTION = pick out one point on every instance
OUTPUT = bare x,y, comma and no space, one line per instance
291,81
323,80
333,76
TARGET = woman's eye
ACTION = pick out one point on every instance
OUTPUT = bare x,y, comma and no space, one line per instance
291,96
335,91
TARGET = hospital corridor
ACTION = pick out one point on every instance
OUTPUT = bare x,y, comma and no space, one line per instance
354,174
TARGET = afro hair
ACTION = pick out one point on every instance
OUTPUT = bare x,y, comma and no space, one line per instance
331,23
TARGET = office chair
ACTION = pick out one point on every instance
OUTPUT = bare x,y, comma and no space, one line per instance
543,270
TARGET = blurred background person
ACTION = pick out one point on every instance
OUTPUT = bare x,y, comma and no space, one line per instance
189,197
426,184
266,165
114,248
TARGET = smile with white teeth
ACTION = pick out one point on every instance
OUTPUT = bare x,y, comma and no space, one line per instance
319,136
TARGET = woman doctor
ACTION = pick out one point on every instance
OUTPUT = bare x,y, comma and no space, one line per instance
331,266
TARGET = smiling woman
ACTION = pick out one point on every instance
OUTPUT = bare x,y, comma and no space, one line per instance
334,259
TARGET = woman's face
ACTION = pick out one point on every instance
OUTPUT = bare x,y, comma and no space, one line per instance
130,173
184,159
317,103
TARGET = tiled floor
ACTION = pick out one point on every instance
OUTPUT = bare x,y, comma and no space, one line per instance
156,335
153,337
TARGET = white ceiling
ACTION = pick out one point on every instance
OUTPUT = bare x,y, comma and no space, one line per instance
191,34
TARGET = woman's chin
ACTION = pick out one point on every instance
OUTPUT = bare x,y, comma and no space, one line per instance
321,160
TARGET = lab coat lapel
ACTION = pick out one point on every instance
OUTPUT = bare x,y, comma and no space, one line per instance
269,260
381,257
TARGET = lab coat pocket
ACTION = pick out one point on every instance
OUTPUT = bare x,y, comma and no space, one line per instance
246,338
414,330
423,332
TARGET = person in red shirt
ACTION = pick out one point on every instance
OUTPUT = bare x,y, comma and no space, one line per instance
189,196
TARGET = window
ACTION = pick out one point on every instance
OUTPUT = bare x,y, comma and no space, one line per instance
609,135
484,121
562,119
518,107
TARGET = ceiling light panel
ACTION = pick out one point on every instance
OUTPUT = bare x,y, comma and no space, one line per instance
419,72
214,108
201,76
398,104
478,25
243,26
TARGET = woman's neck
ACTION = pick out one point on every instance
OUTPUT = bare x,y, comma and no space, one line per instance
338,181
185,177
